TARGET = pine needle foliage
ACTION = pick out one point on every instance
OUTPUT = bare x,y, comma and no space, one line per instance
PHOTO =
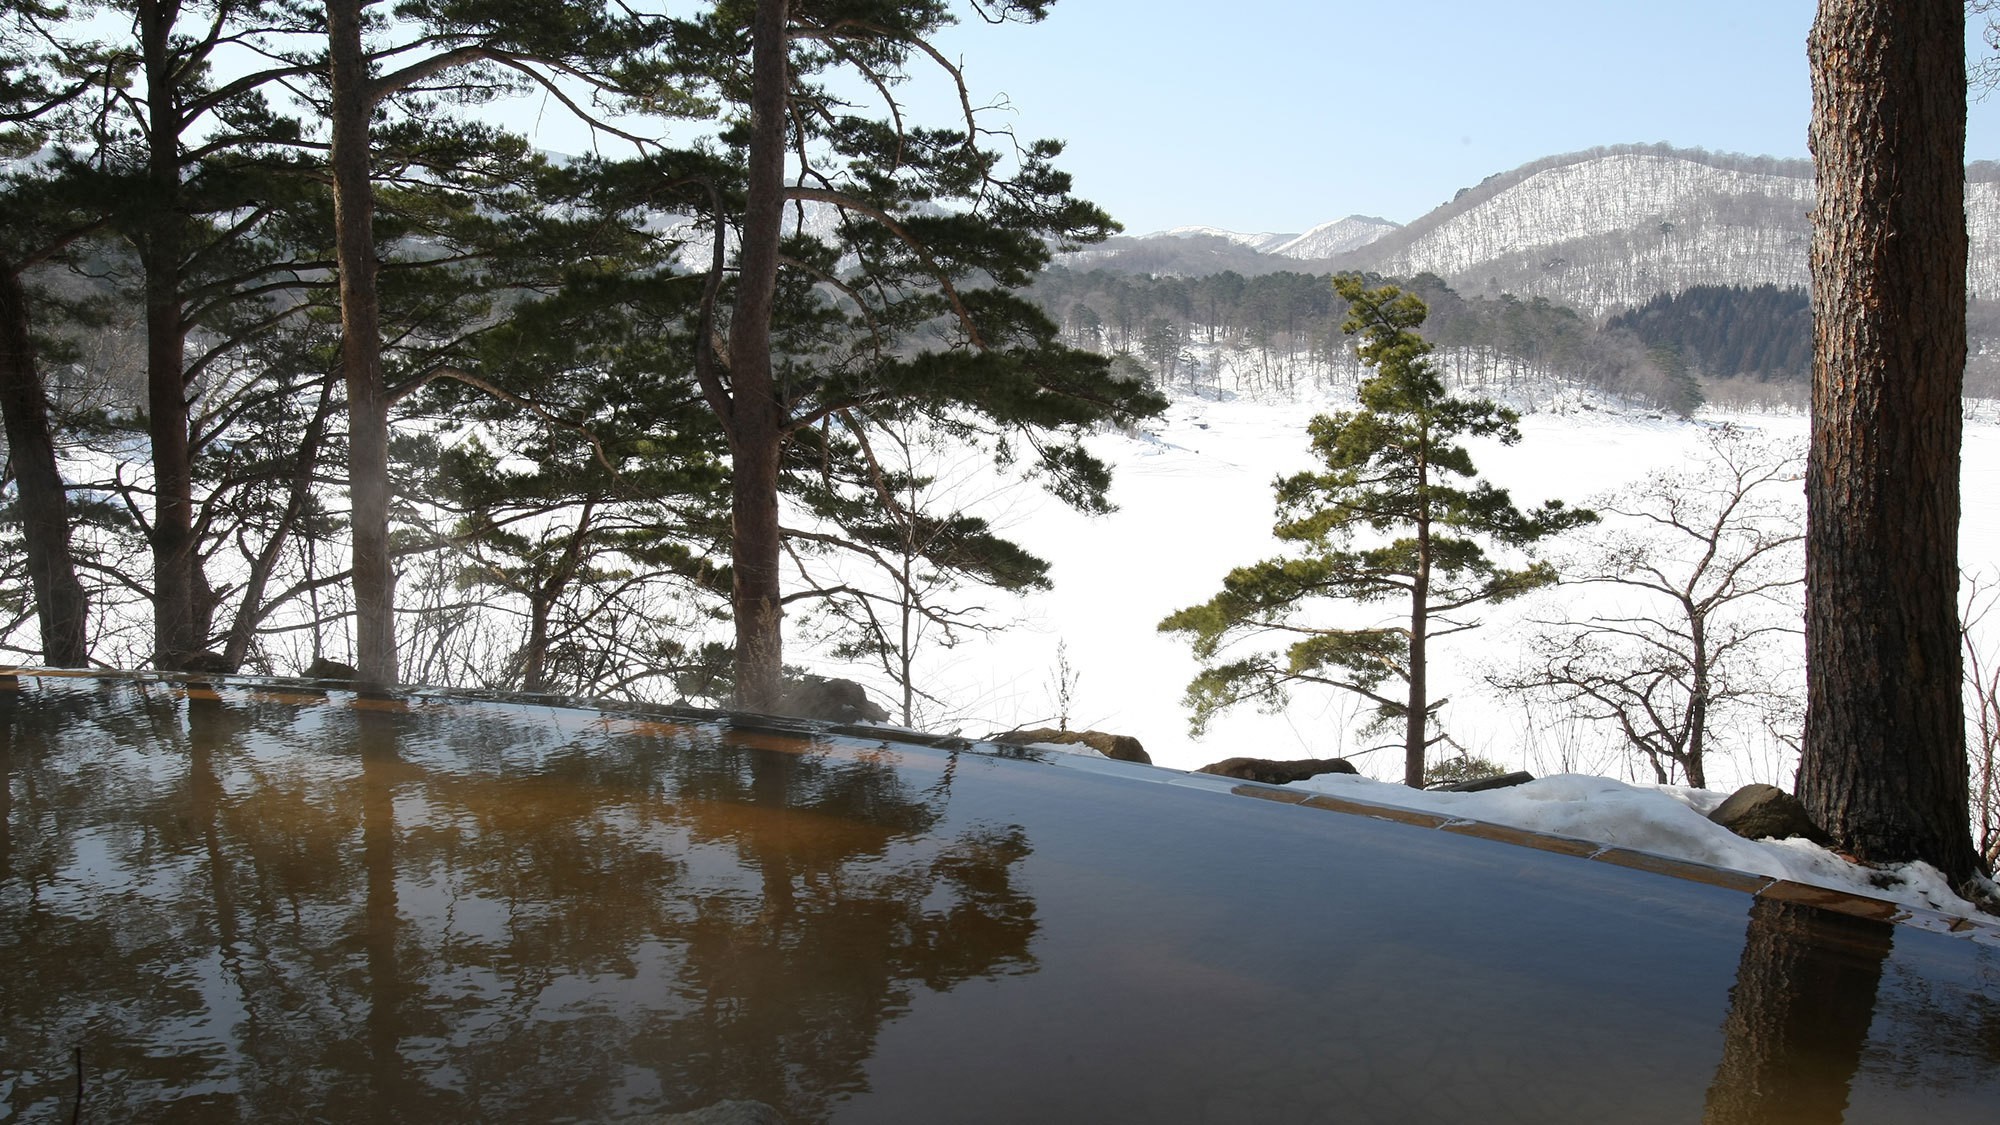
1395,514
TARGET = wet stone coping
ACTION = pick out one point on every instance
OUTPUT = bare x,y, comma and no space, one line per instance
787,734
1760,886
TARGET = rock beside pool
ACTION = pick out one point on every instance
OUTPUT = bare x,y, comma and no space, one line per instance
1123,747
726,1113
1755,812
821,697
324,669
1273,772
202,661
1482,784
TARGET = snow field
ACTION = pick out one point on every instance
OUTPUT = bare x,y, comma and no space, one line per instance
1194,497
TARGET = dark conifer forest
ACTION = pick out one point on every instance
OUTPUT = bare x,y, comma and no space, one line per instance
1729,331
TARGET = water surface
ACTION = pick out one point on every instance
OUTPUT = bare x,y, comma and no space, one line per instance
267,905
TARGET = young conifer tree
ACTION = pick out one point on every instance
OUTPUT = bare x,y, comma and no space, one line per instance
1397,514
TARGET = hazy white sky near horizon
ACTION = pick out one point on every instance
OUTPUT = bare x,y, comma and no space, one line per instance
1277,115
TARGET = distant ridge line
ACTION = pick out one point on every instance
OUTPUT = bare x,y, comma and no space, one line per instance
1470,197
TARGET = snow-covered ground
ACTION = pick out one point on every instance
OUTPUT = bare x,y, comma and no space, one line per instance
1194,497
1194,500
1664,820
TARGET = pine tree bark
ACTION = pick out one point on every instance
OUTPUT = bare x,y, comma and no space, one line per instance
757,430
60,605
1883,765
175,637
1416,719
374,580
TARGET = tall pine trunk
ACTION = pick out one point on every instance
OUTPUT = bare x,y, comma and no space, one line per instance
1883,766
176,640
60,606
1416,725
757,417
361,348
1416,722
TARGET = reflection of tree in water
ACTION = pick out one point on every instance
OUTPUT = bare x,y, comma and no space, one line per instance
611,924
839,932
107,946
793,899
1819,1002
1798,1016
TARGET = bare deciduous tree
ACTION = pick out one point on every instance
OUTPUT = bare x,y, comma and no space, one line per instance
1980,595
1705,567
890,547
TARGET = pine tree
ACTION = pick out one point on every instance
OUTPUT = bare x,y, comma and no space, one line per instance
909,298
1883,765
191,165
467,51
38,225
606,513
1397,514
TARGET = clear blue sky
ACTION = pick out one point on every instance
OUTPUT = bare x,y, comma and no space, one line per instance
1280,114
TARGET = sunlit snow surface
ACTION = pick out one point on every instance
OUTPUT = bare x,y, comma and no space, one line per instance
1194,498
1664,820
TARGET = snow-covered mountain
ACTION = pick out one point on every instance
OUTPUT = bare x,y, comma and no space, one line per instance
1323,241
1597,231
1195,251
1337,237
1263,241
1615,227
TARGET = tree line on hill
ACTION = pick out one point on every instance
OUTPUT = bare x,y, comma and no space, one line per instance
1761,332
1286,325
1673,352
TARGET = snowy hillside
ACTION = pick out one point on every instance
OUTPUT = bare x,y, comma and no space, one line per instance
1596,231
1617,229
1603,230
1328,240
1194,500
1264,241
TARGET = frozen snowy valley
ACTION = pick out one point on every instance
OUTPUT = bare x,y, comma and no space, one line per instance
1194,499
